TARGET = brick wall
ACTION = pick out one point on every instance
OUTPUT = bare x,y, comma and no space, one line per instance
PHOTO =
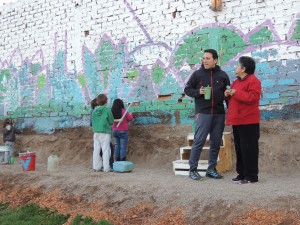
55,56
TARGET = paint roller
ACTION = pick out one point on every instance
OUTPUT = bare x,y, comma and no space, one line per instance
137,94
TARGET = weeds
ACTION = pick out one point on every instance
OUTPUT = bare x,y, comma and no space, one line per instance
32,214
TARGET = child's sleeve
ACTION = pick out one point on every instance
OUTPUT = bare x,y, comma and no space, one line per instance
110,118
129,116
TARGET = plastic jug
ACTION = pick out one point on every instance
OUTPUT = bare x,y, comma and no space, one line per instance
53,163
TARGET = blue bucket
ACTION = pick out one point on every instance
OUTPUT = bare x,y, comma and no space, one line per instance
123,166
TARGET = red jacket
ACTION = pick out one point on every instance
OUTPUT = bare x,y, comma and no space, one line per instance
243,106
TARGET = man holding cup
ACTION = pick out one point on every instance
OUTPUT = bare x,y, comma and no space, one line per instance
207,85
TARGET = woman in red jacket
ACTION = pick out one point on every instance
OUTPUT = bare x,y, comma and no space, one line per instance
244,116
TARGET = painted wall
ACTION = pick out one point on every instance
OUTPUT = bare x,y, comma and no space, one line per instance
57,55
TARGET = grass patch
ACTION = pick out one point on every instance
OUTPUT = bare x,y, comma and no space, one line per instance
32,214
79,220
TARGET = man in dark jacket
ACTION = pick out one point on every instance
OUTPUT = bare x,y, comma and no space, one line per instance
210,113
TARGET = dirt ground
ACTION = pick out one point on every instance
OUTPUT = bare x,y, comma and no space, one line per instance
152,194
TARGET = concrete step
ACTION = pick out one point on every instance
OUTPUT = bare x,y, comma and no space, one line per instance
181,167
190,139
224,158
186,151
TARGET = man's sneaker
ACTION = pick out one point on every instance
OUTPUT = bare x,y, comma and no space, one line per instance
236,179
213,174
194,175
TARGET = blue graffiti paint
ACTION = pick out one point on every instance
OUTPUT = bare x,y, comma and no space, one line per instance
147,120
264,67
284,114
264,102
267,83
65,87
271,95
12,94
94,77
116,76
286,81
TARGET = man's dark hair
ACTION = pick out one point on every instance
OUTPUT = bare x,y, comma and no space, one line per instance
248,63
213,52
101,99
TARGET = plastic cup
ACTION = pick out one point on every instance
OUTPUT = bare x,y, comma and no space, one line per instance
207,93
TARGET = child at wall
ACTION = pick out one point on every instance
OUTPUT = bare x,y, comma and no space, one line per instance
102,120
9,138
94,104
120,133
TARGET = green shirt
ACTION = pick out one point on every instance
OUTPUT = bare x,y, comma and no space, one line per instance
102,120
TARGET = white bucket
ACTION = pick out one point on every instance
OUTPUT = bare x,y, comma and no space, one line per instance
53,163
4,153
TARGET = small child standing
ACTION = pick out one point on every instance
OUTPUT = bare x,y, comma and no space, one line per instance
9,138
102,120
120,133
94,104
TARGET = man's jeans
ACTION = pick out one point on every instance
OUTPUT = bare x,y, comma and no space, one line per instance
121,139
212,124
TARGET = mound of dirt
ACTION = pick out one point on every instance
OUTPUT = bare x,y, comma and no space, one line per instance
158,145
152,194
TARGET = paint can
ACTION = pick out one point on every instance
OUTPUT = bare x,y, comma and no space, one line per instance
27,161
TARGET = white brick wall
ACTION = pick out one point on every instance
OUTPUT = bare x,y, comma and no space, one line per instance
31,25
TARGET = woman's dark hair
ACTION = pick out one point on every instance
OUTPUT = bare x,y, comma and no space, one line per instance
94,103
248,63
6,122
116,108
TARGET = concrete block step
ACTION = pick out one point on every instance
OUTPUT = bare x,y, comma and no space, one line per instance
224,159
185,153
181,167
190,139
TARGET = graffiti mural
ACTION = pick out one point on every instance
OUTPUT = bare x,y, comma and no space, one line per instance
46,96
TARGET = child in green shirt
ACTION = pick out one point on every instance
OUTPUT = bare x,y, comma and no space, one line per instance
102,120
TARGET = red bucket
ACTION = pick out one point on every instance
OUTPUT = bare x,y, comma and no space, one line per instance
27,161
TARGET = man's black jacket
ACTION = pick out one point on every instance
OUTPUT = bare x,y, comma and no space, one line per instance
217,80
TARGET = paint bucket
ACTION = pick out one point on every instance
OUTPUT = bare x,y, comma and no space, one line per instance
27,161
53,163
4,152
123,166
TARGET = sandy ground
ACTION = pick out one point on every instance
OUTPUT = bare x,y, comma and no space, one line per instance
152,194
